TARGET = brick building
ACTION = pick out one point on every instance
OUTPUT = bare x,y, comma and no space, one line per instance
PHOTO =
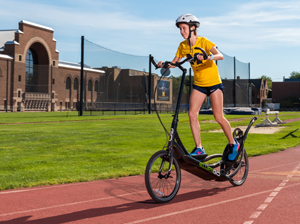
288,90
259,91
128,86
31,76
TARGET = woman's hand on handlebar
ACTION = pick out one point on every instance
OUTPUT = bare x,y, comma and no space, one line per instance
200,57
160,64
168,64
165,64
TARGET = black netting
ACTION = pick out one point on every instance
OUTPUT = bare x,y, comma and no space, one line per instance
124,83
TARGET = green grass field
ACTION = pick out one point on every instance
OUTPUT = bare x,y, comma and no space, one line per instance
51,148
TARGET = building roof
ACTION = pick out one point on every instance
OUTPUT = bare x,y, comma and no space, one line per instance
291,80
6,36
37,25
256,83
77,66
6,56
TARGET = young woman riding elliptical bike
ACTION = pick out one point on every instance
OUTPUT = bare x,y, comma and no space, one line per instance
207,81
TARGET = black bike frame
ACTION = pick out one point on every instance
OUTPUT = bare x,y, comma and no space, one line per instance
190,164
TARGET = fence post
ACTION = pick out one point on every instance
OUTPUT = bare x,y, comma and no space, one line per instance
234,82
249,92
81,77
51,82
7,74
149,86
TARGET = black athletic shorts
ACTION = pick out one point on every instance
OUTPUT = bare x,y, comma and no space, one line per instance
209,90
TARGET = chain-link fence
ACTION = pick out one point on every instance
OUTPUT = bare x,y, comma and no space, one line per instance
122,87
109,83
235,77
124,84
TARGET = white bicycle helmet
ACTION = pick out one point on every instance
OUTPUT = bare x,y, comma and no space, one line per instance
188,19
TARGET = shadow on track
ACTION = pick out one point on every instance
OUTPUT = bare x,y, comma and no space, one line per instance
98,212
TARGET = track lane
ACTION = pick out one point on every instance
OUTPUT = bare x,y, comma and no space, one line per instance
126,200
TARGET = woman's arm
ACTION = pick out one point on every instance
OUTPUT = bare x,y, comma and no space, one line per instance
176,59
216,55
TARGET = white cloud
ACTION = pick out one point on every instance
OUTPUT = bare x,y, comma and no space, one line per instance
259,25
249,25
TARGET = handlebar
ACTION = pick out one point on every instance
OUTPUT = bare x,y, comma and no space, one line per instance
178,64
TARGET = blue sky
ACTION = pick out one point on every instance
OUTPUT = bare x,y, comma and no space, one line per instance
264,33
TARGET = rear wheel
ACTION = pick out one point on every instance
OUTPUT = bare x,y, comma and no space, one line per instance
161,185
239,170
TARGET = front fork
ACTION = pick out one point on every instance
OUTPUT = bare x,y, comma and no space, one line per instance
171,142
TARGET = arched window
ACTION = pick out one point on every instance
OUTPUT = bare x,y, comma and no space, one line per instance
68,83
90,85
96,86
75,84
31,71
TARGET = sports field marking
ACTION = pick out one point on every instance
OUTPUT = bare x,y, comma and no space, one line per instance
40,188
205,206
72,184
71,204
269,199
254,171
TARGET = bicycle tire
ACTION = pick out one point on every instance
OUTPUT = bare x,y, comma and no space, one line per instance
162,187
238,177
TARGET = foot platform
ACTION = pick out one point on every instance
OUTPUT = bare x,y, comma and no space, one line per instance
199,157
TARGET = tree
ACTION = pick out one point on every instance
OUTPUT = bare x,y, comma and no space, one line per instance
269,80
177,81
295,75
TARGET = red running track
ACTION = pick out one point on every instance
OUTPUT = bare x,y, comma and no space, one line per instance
271,194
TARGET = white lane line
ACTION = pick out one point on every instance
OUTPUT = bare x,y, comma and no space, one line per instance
71,204
262,207
89,182
268,199
278,188
39,188
254,171
205,206
42,188
255,215
271,196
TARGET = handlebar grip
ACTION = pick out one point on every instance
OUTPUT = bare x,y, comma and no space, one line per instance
153,62
205,56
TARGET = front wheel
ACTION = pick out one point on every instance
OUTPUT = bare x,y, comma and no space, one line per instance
239,170
161,184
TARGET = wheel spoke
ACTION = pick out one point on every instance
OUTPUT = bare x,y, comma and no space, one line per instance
162,186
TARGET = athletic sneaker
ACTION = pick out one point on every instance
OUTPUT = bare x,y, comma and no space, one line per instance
233,150
197,151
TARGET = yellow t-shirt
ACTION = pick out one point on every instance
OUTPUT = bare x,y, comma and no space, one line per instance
205,72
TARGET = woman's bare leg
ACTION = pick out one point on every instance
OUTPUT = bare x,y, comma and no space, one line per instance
216,99
196,100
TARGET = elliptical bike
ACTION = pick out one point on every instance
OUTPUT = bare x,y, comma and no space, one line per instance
163,175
